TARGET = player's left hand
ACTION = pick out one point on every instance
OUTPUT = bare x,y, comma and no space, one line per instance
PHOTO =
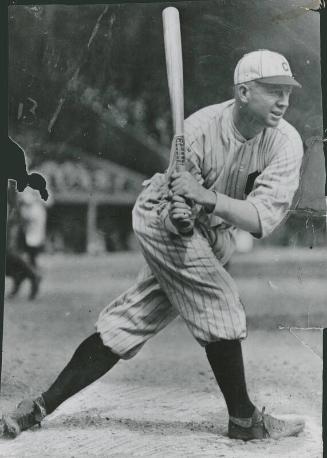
184,184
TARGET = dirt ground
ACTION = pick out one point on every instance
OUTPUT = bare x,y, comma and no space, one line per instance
164,402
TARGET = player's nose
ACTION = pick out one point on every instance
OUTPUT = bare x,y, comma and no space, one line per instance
283,99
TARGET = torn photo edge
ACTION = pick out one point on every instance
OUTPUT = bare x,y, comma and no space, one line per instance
5,140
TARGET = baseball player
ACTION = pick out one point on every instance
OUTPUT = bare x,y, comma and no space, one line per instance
243,167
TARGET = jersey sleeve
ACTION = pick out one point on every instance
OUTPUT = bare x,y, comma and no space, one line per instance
275,187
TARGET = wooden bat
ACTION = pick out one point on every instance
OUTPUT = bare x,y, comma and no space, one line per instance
174,65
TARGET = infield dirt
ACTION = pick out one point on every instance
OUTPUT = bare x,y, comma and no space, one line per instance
164,402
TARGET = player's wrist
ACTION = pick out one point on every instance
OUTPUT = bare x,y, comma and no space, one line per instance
210,200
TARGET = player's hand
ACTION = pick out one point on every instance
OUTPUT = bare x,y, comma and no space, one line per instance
184,184
180,214
179,210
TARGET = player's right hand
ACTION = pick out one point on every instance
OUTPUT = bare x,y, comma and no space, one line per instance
180,213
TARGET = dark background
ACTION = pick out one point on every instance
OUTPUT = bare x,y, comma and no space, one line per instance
91,80
116,86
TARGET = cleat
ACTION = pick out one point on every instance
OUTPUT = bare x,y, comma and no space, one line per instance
27,414
264,426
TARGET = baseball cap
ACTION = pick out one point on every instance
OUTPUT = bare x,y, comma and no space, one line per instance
265,66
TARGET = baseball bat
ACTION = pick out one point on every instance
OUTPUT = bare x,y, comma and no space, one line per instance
174,66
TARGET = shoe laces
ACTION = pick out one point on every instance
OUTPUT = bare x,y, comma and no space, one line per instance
40,410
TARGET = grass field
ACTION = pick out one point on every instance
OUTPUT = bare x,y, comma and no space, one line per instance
168,386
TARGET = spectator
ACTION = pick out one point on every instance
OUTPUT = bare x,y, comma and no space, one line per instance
17,267
34,218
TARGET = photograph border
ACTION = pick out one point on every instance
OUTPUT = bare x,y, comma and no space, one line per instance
4,174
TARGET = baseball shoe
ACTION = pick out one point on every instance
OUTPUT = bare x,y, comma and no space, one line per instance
27,414
265,426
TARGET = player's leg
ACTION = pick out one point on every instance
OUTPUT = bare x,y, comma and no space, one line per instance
193,279
123,328
206,297
143,308
245,420
226,361
91,360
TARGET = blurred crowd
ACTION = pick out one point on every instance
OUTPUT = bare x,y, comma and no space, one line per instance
26,233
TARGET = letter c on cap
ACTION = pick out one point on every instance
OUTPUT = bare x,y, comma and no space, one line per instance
285,66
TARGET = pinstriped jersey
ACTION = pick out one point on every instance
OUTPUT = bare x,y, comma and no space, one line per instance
264,170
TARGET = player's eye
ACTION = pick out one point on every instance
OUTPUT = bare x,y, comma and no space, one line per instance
275,91
281,92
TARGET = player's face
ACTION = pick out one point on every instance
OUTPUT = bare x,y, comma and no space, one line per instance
268,103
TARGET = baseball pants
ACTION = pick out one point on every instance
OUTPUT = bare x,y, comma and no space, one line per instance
182,276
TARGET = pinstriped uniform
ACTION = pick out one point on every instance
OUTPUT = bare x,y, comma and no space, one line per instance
184,275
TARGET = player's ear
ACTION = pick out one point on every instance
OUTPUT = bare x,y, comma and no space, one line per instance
242,92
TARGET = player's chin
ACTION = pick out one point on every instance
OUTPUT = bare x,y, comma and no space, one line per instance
272,120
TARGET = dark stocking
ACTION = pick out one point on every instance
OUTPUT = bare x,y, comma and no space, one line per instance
226,360
91,360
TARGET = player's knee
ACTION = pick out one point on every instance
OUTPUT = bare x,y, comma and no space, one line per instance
127,353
